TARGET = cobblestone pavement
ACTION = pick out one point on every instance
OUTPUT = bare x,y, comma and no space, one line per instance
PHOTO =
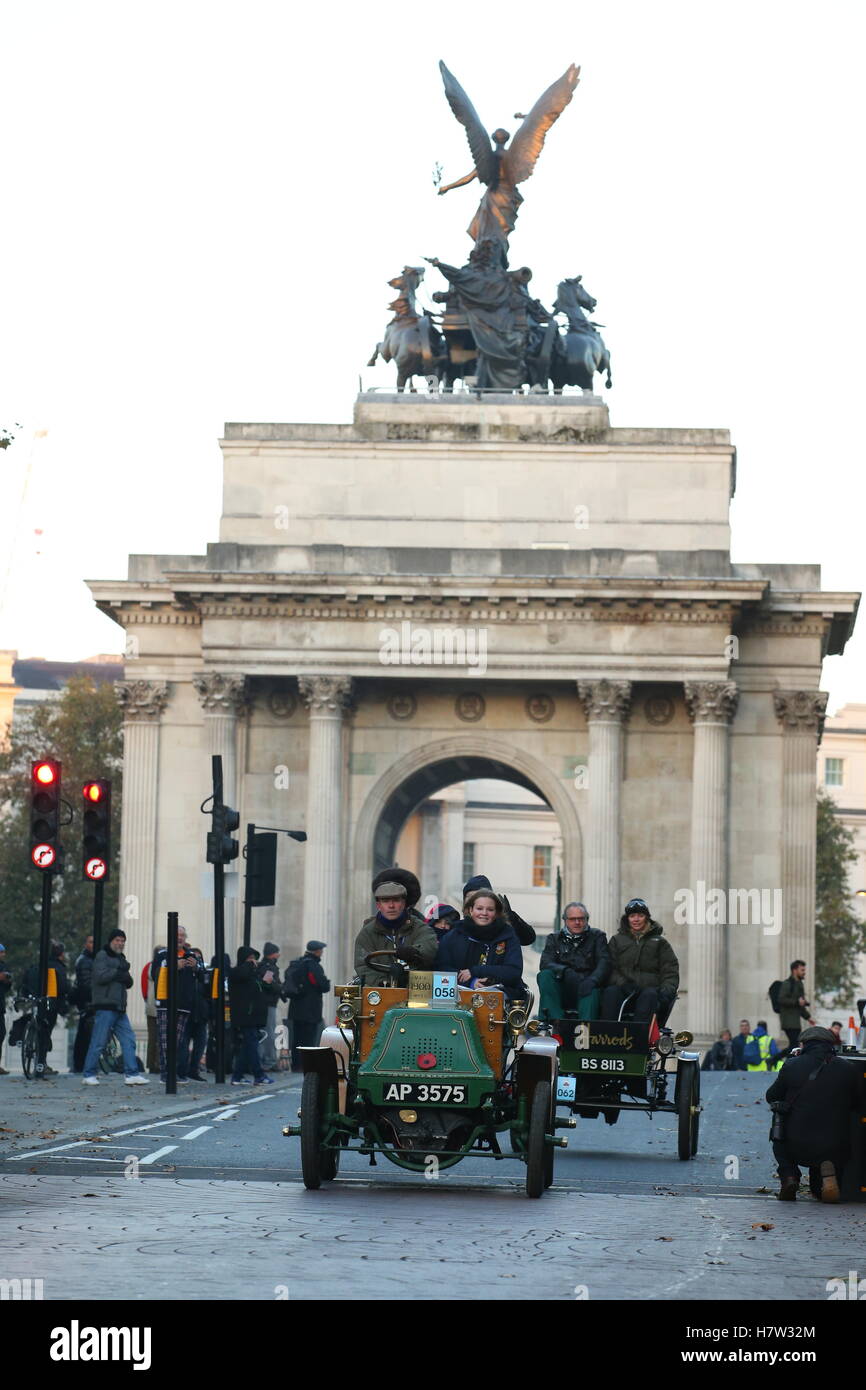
256,1241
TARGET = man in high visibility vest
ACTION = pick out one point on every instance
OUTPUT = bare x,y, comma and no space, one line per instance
761,1051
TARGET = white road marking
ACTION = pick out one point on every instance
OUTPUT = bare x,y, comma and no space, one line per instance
158,1153
225,1115
194,1133
34,1153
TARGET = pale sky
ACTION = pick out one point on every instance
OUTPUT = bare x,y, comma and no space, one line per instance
203,202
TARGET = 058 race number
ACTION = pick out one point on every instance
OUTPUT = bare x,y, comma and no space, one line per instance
433,1092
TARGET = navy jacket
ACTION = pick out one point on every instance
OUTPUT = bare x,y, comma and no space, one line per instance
499,960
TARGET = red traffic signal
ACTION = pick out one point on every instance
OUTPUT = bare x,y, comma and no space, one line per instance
45,814
96,830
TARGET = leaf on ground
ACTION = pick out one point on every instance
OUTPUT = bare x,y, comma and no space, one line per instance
50,1134
762,1189
169,1167
664,1237
762,1226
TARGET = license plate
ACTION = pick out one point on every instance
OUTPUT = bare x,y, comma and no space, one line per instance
423,1093
565,1088
602,1064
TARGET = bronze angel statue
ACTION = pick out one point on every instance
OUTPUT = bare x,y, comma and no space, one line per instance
501,168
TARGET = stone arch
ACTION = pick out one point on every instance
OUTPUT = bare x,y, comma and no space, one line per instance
427,769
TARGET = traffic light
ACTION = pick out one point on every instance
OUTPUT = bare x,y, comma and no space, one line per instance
262,870
45,851
221,848
96,831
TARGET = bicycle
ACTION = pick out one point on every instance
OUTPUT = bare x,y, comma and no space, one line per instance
32,1058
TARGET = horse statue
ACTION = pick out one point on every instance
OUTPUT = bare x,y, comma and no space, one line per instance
580,352
412,339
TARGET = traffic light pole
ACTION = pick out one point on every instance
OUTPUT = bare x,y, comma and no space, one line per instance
248,896
171,1009
45,932
99,893
219,937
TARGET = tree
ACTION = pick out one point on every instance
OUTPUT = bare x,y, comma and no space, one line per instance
840,936
83,730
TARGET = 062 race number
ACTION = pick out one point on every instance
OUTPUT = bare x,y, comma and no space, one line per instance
433,1092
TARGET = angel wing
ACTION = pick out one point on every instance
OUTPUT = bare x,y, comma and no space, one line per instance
479,140
526,145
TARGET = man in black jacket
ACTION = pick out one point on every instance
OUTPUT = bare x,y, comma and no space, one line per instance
110,981
81,1000
249,1010
305,1008
269,974
575,964
818,1092
189,970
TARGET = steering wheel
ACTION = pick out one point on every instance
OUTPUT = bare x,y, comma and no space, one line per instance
394,956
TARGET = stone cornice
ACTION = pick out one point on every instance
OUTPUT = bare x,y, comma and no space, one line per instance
141,701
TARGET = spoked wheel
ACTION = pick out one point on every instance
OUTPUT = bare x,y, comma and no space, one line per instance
30,1049
311,1149
329,1159
536,1158
108,1056
688,1099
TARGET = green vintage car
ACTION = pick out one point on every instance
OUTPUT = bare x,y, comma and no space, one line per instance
426,1075
608,1066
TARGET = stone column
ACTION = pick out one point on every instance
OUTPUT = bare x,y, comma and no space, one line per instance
328,698
142,703
801,714
224,700
606,704
711,706
431,847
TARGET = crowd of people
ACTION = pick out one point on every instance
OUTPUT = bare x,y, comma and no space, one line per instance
98,987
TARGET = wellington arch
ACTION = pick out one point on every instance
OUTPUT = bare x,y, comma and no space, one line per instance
431,768
454,585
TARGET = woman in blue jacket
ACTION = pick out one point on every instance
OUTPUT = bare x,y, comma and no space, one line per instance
483,948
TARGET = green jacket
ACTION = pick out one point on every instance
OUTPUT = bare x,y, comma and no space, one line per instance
791,1014
374,936
644,962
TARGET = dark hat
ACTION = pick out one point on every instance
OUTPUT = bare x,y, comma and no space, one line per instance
245,952
636,905
391,890
112,934
818,1035
315,946
479,881
442,912
401,876
269,949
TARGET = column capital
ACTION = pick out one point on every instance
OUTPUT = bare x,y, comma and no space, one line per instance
609,700
220,693
326,694
801,711
141,701
711,702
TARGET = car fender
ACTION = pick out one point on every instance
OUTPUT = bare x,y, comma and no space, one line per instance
536,1061
330,1061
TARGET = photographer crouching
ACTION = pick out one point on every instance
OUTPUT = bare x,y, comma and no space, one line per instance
812,1099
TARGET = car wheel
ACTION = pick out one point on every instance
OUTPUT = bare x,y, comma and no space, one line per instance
536,1158
311,1149
687,1103
329,1159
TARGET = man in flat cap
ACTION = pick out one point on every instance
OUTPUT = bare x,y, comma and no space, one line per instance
305,987
813,1097
396,926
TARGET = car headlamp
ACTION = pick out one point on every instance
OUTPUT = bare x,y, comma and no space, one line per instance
516,1018
665,1045
345,1012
